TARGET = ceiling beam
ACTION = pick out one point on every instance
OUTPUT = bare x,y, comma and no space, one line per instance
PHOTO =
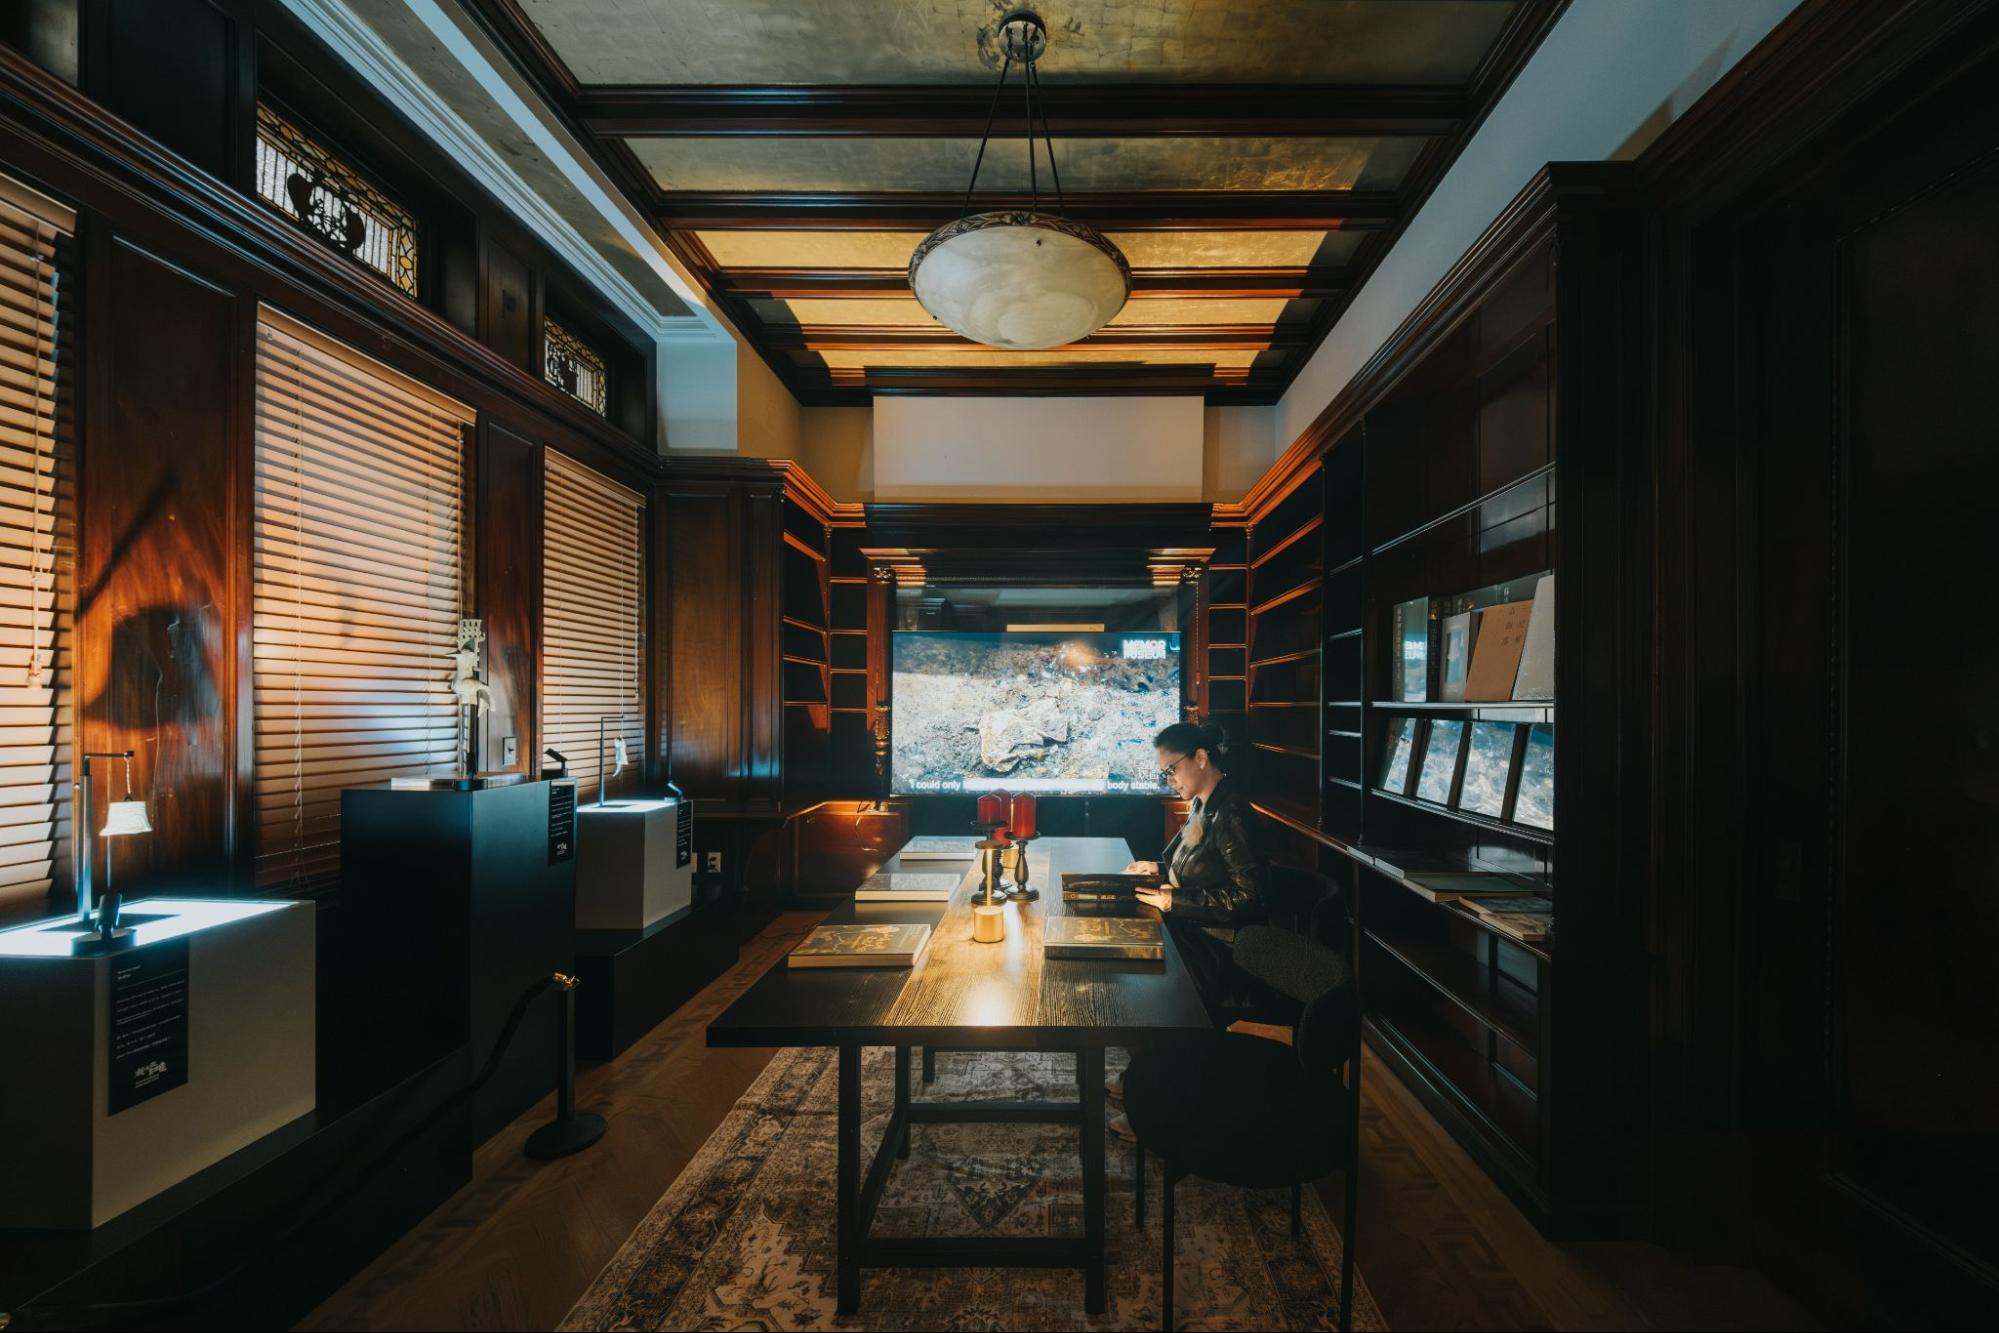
954,111
829,338
1133,210
1041,382
778,284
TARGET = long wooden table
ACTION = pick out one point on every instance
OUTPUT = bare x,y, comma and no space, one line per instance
965,995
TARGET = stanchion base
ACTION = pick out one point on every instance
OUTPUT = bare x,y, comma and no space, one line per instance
559,1138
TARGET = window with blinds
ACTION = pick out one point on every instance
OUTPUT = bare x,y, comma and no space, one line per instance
593,602
358,589
37,491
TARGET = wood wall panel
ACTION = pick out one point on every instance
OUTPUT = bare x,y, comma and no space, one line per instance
165,423
762,704
176,67
513,326
705,639
508,591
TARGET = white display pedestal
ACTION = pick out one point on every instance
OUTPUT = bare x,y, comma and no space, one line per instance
625,873
199,1026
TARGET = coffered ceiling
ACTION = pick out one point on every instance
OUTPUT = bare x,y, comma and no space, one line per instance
1253,160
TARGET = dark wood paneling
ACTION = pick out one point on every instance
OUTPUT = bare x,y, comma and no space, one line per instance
509,534
513,324
166,392
177,69
703,536
760,592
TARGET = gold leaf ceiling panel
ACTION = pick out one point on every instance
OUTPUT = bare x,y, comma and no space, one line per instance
794,153
950,41
1098,165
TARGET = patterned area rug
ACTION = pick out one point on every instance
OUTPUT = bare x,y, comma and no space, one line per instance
744,1239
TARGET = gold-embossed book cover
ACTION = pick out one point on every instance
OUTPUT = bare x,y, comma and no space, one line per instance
862,946
1102,937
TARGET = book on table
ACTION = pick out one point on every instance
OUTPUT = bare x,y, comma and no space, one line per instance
1125,937
938,849
1117,887
909,886
862,946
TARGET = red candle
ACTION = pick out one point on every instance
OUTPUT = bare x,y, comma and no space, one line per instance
992,809
1023,815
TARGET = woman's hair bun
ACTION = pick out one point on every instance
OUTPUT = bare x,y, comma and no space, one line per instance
1187,737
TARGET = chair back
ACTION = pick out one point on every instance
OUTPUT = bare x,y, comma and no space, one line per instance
1327,1034
1302,900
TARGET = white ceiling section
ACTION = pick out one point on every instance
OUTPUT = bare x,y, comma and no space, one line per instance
1605,82
432,62
1048,449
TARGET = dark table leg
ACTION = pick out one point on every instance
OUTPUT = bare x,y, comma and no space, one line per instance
1091,1067
849,1191
929,1064
902,1098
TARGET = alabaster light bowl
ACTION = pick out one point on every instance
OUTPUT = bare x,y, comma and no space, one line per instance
1022,281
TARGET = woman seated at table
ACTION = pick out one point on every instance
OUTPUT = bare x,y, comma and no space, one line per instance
1213,872
1214,869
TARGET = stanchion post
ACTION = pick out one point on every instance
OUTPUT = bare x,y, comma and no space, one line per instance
571,1130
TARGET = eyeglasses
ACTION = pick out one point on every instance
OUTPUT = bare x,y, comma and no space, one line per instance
1166,773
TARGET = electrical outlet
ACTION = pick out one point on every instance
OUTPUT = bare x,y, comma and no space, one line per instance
510,751
715,861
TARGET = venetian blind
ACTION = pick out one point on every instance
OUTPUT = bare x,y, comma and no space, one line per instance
357,588
37,489
593,620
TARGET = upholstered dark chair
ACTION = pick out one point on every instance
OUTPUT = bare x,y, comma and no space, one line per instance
1248,1111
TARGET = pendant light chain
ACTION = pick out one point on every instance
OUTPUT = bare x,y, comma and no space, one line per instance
986,138
1034,80
1016,278
1027,100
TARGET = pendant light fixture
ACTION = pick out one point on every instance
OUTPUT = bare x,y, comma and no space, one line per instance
1021,280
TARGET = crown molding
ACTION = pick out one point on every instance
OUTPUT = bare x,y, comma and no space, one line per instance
357,43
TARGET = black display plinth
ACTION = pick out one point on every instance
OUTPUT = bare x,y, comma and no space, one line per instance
455,908
632,979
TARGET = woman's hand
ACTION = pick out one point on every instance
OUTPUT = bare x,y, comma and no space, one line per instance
1160,898
1142,868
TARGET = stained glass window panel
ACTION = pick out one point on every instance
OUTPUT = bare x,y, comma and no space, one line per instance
300,178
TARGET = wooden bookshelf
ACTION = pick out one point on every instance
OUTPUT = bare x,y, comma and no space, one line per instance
1222,694
1283,592
1440,473
805,648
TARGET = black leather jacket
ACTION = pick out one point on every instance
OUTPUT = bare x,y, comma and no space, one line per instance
1219,878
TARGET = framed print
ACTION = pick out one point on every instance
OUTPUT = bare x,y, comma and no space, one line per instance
1440,762
1534,806
1488,768
1399,760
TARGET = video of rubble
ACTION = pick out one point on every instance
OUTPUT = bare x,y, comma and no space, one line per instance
1046,713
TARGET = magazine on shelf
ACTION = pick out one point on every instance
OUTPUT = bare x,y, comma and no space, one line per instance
1536,677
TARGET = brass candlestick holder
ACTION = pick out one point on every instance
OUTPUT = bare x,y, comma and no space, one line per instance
1016,862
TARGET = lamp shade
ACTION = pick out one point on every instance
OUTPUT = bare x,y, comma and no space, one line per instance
1020,280
123,817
